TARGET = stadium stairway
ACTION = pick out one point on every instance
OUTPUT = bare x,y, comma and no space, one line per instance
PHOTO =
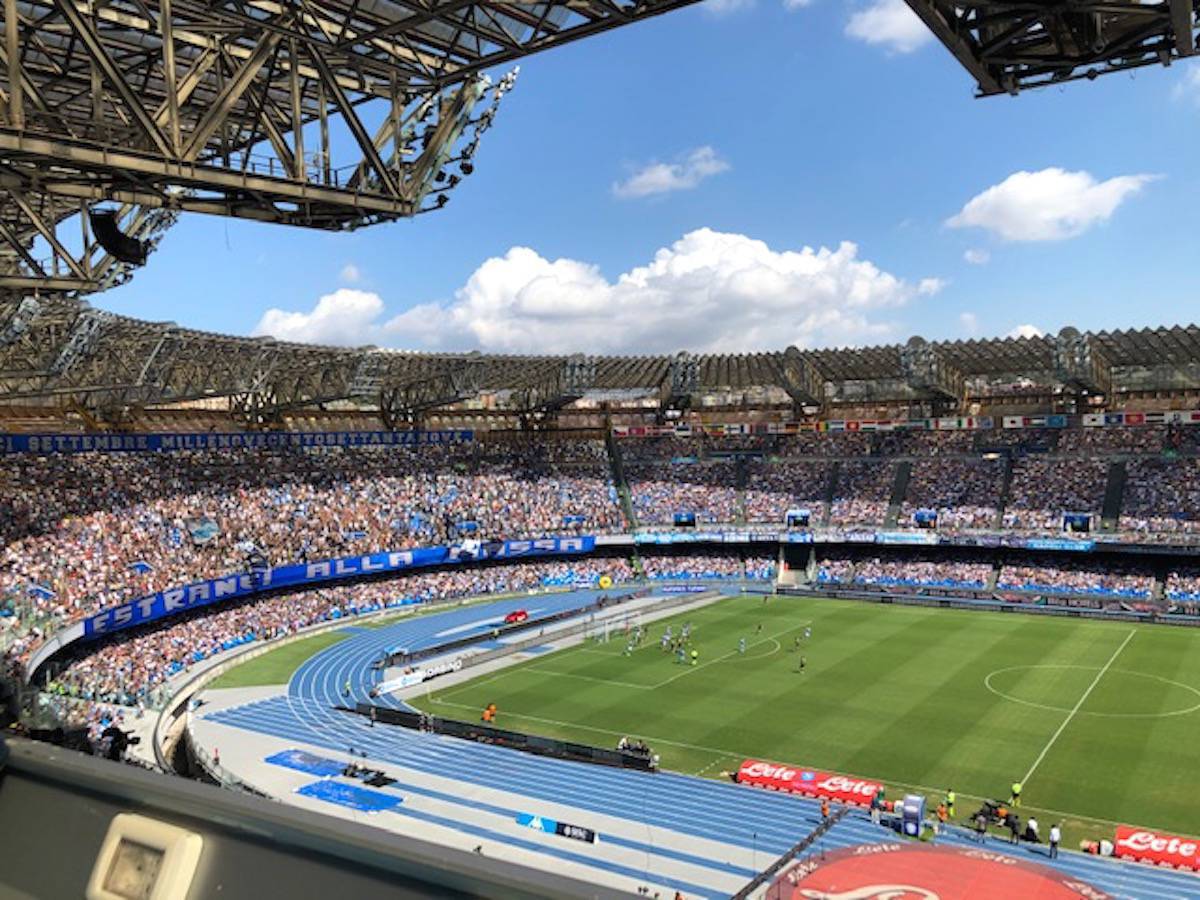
1002,502
617,465
835,473
1114,496
899,492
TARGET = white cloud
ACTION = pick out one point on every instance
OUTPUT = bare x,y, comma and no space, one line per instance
709,291
890,23
1187,88
796,4
1026,331
1050,205
969,322
660,178
350,273
977,257
346,317
725,7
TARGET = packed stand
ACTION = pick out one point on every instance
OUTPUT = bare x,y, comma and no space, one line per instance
1162,496
920,442
681,566
1044,488
126,668
1134,439
963,492
1184,585
909,571
862,493
706,489
82,532
834,444
835,570
1106,579
774,488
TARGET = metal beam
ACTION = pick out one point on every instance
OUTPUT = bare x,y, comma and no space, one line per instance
12,37
946,29
1182,18
105,63
354,123
219,110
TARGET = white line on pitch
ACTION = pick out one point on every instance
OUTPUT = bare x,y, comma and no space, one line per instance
557,674
1067,721
765,640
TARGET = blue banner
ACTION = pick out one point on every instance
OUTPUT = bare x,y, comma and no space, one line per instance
905,537
229,587
1056,544
112,443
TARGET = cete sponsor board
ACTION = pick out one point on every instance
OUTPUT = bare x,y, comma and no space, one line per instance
1143,845
810,782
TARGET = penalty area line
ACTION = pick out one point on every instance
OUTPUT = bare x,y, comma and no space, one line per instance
766,640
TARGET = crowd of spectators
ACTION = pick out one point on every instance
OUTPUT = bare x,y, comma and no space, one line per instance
862,493
774,488
1134,439
707,490
1043,488
1082,577
678,566
963,492
1184,584
913,571
919,442
79,533
1162,496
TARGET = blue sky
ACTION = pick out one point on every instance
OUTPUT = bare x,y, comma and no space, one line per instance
653,189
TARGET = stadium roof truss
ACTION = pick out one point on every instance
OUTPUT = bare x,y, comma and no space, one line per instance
63,352
328,114
1008,46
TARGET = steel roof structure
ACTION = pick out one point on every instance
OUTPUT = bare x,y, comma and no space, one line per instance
64,352
1013,45
328,114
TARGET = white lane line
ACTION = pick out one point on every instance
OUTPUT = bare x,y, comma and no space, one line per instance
1067,721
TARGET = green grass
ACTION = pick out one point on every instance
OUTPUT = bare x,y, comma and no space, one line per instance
894,693
276,666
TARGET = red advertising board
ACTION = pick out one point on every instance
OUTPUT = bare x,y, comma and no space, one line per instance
810,782
1154,847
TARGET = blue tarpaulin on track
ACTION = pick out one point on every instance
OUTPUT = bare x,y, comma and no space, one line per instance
306,762
348,795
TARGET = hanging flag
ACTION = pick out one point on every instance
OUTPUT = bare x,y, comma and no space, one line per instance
141,567
202,530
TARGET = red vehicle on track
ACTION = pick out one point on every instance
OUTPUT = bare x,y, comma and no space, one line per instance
517,615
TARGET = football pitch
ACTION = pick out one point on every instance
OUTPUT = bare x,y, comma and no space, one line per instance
1100,720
